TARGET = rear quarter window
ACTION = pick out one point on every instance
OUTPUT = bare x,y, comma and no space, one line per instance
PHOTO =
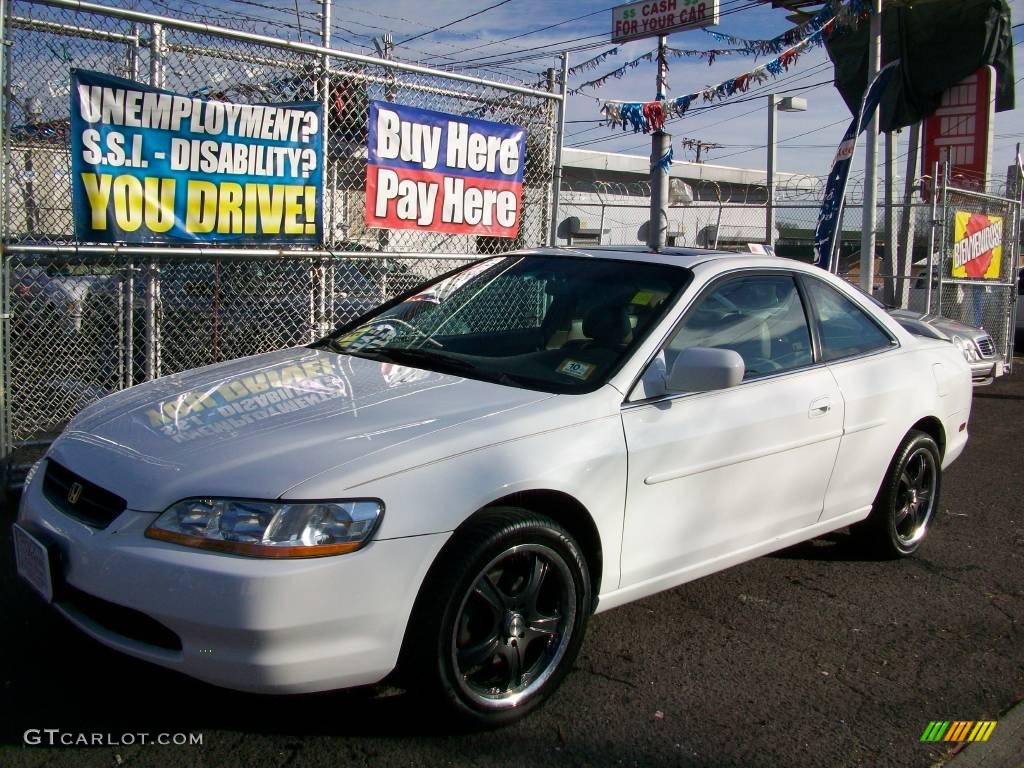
846,330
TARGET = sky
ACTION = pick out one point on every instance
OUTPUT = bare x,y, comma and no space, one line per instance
518,39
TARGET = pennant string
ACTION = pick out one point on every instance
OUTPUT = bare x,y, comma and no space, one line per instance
594,62
651,115
813,31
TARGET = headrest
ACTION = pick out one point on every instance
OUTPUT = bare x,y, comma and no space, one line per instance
608,325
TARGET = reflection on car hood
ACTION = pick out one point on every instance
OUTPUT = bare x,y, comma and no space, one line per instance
258,426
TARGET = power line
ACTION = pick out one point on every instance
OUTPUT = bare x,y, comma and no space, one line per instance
739,6
787,140
453,23
540,29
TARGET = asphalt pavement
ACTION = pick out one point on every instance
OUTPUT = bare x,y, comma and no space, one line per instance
810,657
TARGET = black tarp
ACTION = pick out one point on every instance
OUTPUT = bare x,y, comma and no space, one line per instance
939,43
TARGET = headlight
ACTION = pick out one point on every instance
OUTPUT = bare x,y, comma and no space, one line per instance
269,528
967,347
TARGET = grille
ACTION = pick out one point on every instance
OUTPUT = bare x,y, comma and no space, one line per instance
986,345
93,506
126,622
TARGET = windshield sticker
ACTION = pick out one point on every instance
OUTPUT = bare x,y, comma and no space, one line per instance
642,298
576,369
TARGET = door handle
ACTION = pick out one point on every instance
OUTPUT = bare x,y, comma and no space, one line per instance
819,407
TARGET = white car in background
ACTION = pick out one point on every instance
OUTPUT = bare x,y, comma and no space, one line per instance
455,483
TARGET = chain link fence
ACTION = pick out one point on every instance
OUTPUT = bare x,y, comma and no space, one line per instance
982,299
617,214
84,320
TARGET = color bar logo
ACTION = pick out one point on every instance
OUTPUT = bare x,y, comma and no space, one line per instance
958,730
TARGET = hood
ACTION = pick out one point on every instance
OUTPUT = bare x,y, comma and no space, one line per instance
935,326
258,426
917,323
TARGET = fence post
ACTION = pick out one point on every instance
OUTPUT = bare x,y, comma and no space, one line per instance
945,234
156,78
127,324
556,176
324,269
5,441
933,223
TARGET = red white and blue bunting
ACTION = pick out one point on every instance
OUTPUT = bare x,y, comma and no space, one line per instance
776,45
650,116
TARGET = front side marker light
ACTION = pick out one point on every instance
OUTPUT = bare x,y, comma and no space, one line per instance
272,529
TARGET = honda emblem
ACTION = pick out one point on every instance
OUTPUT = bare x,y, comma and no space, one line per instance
74,492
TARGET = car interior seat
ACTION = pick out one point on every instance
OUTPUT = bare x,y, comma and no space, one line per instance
607,326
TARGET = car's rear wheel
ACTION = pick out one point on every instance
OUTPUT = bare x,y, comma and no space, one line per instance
500,618
907,501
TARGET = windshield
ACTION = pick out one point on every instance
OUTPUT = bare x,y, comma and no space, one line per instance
556,324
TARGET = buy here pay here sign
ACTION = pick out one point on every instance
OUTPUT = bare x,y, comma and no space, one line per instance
437,172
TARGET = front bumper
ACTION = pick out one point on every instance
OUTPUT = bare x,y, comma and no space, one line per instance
986,371
268,626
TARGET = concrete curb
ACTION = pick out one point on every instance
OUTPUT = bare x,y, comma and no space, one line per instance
1004,749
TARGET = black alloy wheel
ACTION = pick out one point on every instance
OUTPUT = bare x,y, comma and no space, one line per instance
906,503
500,617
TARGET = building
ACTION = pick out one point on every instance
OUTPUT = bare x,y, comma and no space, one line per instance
605,198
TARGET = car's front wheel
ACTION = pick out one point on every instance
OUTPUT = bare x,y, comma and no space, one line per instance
907,500
500,618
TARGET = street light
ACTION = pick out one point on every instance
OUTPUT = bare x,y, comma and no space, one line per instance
776,104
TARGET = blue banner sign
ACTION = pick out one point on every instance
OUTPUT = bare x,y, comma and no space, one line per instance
151,166
828,231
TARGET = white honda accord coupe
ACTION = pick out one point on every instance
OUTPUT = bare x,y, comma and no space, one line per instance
454,483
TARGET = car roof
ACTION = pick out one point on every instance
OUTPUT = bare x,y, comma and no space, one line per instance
675,256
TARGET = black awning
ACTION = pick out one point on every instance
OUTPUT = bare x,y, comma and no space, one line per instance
939,43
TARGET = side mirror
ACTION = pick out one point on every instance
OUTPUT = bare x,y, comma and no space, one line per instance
702,369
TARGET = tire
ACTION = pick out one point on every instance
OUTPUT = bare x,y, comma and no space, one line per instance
906,502
500,618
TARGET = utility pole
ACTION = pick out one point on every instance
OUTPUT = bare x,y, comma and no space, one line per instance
661,146
699,146
867,231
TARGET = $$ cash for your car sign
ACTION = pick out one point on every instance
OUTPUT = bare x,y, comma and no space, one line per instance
443,173
152,166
